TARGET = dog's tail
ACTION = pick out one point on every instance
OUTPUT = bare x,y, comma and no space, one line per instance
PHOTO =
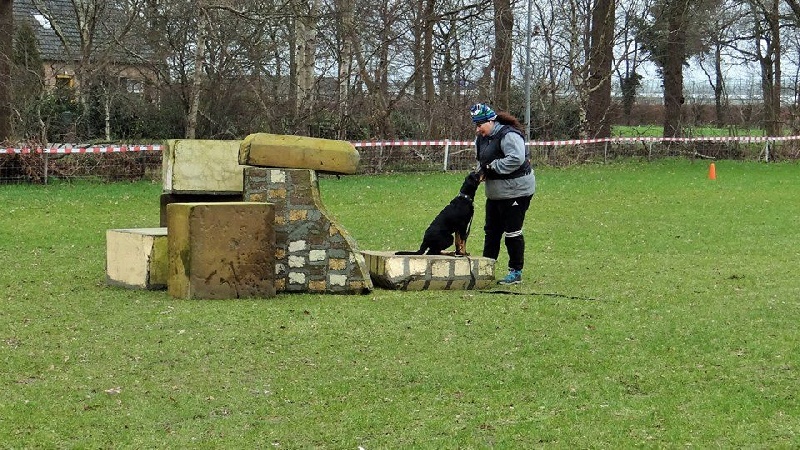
421,251
418,252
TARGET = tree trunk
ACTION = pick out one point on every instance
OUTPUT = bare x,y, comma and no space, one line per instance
775,127
418,28
345,65
719,88
197,84
503,27
306,35
429,20
6,54
767,33
600,63
674,59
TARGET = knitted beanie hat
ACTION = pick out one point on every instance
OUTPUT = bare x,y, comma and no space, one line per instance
482,113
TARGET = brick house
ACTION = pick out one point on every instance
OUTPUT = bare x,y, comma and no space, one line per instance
57,30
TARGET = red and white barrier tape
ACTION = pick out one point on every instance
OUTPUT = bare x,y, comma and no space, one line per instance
613,140
67,149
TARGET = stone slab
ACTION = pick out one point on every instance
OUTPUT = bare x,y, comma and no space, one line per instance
221,250
299,152
427,272
136,258
201,166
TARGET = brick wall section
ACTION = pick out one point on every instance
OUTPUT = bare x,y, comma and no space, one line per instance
313,253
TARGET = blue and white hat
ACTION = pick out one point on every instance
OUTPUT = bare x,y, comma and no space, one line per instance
482,113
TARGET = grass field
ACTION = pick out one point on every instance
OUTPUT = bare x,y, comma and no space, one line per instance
704,131
658,309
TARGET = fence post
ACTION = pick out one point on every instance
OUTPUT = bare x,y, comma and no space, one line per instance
46,164
766,151
446,153
380,156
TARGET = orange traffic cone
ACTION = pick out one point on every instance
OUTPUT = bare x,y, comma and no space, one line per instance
712,172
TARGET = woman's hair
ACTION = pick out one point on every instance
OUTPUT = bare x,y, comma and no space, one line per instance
507,119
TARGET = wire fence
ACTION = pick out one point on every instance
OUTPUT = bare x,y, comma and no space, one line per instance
138,162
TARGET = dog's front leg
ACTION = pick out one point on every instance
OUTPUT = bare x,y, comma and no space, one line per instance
461,245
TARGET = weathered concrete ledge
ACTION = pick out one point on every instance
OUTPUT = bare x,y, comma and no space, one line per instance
424,272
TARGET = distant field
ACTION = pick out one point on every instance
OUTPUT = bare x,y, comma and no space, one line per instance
659,309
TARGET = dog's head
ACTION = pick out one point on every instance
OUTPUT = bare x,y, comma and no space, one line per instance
471,183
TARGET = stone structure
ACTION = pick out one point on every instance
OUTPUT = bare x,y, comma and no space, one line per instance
424,272
313,253
221,250
137,258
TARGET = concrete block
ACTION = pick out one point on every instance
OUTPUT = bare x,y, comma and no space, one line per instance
298,152
221,250
201,166
425,272
137,258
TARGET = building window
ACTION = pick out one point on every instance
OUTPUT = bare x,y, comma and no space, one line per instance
132,86
65,81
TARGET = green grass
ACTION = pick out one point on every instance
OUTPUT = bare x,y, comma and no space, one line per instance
658,131
675,325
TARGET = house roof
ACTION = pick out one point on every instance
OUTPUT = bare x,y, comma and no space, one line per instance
49,18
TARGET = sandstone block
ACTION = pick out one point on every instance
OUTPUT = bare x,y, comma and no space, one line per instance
426,272
201,166
298,152
137,258
221,250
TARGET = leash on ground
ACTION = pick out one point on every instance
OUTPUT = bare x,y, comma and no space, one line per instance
540,294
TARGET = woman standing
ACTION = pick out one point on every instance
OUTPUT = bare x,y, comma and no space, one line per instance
510,184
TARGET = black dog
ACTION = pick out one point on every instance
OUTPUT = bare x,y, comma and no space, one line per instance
454,220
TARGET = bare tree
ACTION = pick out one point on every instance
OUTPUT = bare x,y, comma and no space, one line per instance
674,57
766,30
671,37
601,55
725,32
202,21
345,32
795,7
630,55
305,38
383,66
6,51
502,54
553,72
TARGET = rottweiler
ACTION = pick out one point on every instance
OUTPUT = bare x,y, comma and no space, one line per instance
452,224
